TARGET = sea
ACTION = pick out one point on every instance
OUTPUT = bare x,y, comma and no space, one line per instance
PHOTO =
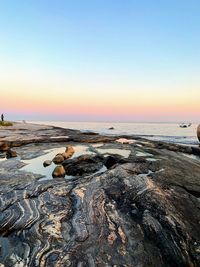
169,132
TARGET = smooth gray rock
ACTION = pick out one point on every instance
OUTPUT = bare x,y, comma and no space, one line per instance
47,163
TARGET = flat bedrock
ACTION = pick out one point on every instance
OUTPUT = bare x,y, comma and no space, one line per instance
144,210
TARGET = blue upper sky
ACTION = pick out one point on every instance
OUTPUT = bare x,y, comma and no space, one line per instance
127,34
153,41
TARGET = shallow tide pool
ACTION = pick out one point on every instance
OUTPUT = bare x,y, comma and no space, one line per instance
35,165
122,152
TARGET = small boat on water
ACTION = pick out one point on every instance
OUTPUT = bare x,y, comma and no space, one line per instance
185,125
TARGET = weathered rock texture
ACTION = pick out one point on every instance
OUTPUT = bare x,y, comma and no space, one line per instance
85,164
135,214
143,211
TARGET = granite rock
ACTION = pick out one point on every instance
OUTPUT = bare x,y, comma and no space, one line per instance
59,172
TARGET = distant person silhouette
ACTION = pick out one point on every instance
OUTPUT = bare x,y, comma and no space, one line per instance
2,117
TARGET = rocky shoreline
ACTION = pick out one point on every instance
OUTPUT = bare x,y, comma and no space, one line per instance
125,201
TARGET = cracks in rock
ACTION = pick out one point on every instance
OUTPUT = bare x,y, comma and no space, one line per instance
25,195
193,193
120,217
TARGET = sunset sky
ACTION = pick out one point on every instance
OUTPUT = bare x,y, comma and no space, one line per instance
100,60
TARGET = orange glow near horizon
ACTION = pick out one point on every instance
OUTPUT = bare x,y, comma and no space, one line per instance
62,105
53,95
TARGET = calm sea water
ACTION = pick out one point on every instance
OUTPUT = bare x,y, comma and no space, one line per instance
170,132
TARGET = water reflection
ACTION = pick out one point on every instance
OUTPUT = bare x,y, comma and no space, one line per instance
123,152
143,154
125,141
35,165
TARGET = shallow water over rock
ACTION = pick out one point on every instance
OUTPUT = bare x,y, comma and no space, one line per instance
143,154
122,152
35,165
125,141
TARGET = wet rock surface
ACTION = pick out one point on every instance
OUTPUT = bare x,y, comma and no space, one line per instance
85,164
11,153
47,163
144,210
68,152
58,159
59,172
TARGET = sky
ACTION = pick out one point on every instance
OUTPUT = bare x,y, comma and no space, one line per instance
100,60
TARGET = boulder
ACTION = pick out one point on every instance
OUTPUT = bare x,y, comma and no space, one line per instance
47,163
85,164
4,146
59,172
2,155
198,132
68,152
112,160
11,154
58,159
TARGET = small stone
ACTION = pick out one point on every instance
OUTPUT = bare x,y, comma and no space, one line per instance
58,159
47,163
11,154
68,152
4,146
59,172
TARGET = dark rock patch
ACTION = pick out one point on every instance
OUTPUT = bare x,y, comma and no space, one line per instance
85,164
114,159
11,154
47,163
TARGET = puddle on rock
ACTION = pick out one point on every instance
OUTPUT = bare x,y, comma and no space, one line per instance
103,169
97,145
125,141
143,154
35,165
2,156
81,150
151,159
122,152
58,137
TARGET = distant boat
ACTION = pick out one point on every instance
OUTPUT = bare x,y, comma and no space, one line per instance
185,125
